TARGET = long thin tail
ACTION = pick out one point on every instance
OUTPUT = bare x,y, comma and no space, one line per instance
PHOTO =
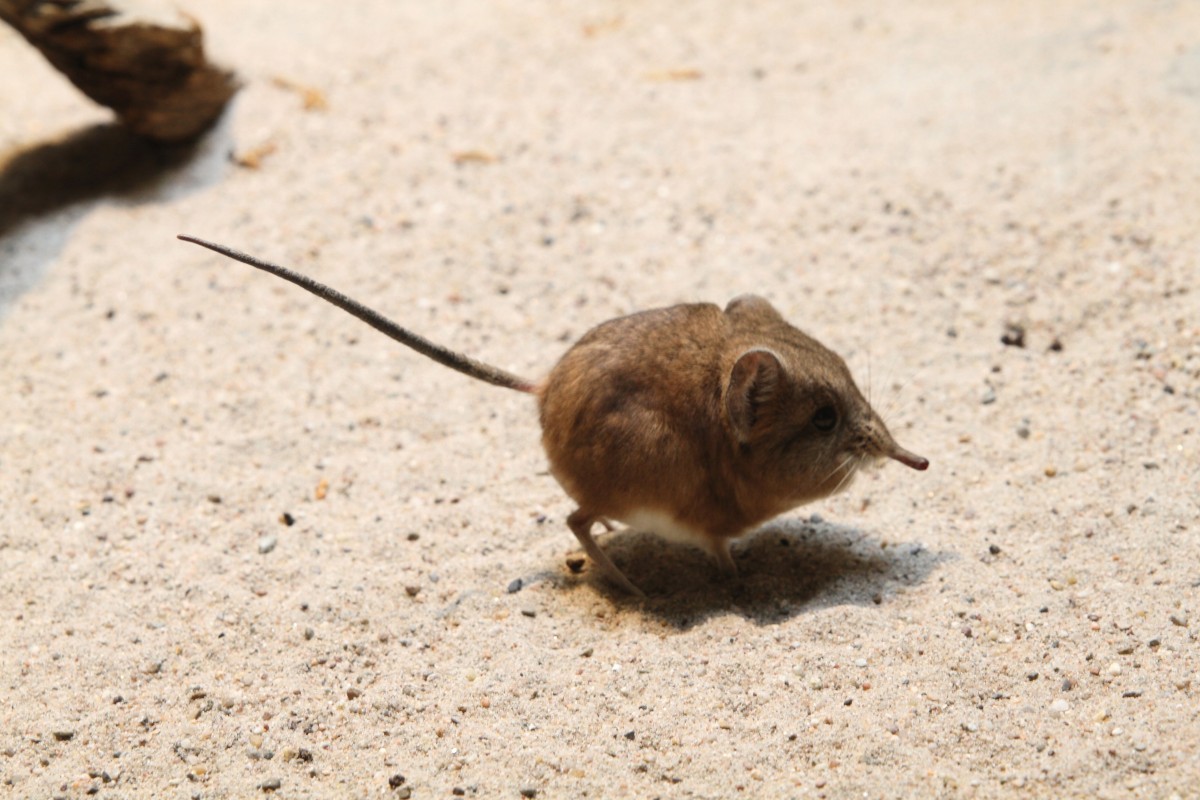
456,361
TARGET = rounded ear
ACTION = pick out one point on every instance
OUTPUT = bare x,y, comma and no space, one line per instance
753,383
751,305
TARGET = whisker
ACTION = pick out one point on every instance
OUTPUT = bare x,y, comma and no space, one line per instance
891,406
837,469
849,474
870,402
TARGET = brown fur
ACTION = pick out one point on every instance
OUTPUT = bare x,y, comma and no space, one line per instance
706,415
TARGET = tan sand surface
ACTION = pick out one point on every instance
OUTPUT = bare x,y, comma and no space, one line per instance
249,546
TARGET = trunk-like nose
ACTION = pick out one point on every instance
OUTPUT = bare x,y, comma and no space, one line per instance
908,459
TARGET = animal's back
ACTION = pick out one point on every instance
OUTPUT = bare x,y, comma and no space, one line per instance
631,413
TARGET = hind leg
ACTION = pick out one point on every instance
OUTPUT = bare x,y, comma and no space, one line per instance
580,523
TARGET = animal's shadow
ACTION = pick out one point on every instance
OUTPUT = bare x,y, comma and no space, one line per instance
47,188
787,568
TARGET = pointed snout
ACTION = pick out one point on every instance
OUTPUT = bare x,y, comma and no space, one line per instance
909,459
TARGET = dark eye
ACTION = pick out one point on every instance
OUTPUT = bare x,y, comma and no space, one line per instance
826,419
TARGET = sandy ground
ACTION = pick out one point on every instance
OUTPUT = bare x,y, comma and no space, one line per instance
247,543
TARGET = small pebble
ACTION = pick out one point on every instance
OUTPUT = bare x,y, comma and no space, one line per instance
515,585
64,736
1060,706
396,781
267,543
1180,619
630,735
353,693
1132,693
1051,471
529,611
309,633
988,397
1014,335
270,785
1031,676
528,791
994,549
1114,668
860,662
412,591
575,565
287,519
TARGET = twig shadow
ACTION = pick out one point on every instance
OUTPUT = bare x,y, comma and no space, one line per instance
47,188
787,568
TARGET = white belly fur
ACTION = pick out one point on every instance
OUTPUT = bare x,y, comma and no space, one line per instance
666,526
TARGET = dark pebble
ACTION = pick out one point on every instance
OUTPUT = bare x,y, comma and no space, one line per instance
458,791
1132,693
575,565
270,785
994,549
353,694
304,755
1014,335
412,537
64,736
528,791
630,735
287,519
1031,676
515,585
412,591
396,781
